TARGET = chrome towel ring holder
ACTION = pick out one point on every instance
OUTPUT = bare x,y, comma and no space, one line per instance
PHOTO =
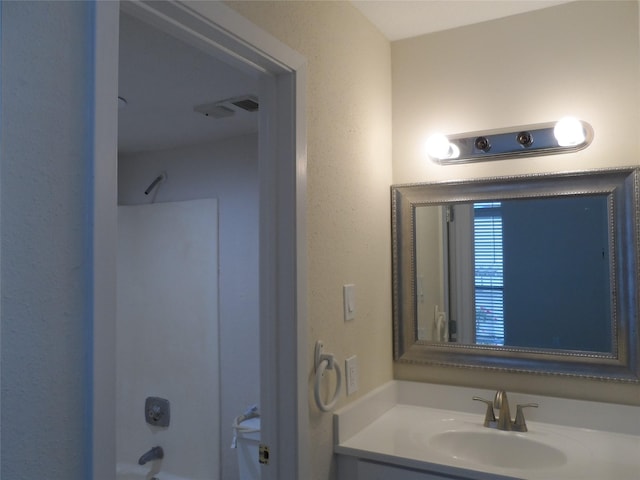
324,362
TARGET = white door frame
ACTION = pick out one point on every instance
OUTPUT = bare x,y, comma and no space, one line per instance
224,33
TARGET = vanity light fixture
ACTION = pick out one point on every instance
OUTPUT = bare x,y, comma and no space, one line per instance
567,135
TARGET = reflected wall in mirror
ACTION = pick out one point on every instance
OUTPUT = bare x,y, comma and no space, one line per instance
535,273
507,270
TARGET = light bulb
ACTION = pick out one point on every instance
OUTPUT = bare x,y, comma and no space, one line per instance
569,132
438,147
454,150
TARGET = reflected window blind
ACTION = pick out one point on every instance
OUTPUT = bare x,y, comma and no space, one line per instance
488,266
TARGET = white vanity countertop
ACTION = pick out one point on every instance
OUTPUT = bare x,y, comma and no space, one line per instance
399,423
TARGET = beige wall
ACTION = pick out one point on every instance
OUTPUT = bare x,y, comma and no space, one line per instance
348,178
576,59
580,59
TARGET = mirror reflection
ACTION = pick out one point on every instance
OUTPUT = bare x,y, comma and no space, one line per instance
527,272
537,273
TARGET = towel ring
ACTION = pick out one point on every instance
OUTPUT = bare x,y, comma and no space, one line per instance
323,362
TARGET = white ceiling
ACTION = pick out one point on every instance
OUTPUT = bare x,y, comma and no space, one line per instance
399,19
162,79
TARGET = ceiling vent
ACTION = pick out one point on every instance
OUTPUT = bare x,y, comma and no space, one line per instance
228,107
248,103
214,110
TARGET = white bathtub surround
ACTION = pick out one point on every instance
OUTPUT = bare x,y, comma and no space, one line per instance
228,171
167,337
399,423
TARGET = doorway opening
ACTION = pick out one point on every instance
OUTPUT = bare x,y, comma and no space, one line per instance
278,73
188,241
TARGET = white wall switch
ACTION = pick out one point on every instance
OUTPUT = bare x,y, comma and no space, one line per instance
349,297
351,367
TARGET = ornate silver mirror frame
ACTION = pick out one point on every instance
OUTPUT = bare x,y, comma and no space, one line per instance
621,188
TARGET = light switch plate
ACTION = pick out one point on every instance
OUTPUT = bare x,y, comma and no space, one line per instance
349,298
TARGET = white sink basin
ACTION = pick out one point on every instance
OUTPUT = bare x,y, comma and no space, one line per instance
594,441
497,448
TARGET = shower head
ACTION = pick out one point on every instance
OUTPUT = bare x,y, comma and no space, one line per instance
158,180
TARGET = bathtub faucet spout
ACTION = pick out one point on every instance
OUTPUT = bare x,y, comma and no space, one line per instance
156,453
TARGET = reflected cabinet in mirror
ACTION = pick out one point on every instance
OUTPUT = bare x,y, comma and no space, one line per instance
534,273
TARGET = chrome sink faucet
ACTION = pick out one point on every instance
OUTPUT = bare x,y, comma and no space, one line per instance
504,421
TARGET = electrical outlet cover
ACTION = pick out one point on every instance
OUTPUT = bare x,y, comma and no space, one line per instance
351,368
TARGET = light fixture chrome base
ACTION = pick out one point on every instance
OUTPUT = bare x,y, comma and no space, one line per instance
524,141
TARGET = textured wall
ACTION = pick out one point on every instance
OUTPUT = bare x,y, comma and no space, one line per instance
349,173
226,170
46,80
579,59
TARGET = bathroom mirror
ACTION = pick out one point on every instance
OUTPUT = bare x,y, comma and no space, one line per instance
533,273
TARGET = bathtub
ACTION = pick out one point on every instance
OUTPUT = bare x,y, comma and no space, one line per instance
127,471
